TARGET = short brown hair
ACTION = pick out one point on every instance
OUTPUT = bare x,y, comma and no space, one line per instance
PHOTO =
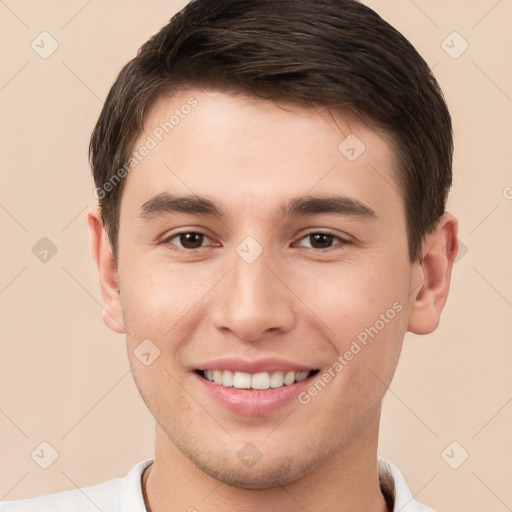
334,53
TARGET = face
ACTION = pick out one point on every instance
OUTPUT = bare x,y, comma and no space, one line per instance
253,239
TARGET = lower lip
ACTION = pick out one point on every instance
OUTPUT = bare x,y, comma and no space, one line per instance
253,403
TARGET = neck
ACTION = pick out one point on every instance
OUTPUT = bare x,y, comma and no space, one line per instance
348,481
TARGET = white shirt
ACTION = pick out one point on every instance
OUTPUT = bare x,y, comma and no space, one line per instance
125,495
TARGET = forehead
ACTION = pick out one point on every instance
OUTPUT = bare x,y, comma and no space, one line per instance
249,151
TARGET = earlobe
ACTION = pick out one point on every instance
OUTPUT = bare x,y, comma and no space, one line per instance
107,273
431,281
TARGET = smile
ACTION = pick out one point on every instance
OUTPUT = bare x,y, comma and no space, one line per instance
255,381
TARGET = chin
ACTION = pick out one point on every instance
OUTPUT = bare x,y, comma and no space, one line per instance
268,475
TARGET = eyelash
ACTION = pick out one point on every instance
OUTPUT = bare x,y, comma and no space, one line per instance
342,241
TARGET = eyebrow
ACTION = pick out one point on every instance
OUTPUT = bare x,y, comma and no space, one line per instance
166,203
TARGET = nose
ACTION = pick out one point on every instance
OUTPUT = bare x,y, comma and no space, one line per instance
252,300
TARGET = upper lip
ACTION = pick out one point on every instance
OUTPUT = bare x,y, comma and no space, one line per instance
254,366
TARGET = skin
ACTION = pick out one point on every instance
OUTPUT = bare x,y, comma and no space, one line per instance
295,301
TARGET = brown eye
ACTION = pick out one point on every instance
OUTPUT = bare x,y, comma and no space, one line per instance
188,240
321,240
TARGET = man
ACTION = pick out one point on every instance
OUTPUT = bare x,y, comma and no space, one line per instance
272,178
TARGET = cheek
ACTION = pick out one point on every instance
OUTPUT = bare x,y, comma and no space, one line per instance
364,311
157,297
350,297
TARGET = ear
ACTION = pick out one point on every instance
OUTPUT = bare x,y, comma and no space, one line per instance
104,260
432,275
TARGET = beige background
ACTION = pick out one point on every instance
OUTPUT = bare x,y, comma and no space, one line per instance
64,377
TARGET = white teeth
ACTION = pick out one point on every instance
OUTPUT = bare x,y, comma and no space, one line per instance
227,378
276,380
242,380
289,378
261,380
301,376
217,376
